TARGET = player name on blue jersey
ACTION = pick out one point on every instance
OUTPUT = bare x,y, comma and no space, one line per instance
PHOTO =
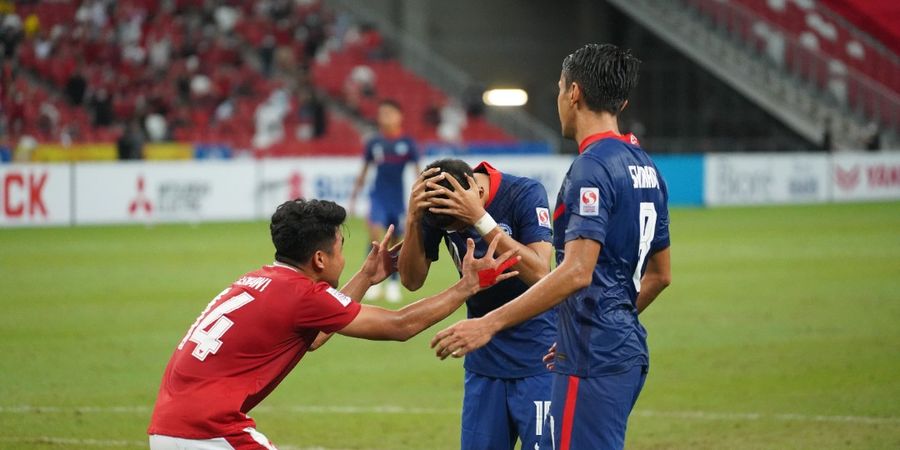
644,177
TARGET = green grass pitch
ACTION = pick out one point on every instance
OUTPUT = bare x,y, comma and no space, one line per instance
781,330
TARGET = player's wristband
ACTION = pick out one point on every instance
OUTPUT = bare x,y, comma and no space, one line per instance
485,224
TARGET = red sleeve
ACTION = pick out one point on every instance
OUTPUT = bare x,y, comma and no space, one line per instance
326,309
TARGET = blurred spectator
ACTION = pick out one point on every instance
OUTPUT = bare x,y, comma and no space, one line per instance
157,128
270,119
159,53
225,110
474,104
31,26
43,46
313,119
453,120
267,54
101,105
48,118
10,35
359,85
873,140
131,144
827,142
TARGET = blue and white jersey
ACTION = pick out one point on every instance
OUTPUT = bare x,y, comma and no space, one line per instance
612,194
519,206
390,157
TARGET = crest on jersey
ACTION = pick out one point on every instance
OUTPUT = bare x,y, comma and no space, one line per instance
339,296
505,228
401,148
543,215
589,203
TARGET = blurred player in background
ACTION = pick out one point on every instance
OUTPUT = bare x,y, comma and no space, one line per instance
506,384
253,333
390,151
611,234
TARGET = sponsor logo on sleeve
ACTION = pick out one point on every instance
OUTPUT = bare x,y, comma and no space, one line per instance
339,296
589,204
543,215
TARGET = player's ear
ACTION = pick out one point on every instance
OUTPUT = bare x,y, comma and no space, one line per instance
318,260
574,93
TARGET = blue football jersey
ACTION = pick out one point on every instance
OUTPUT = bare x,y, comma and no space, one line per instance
612,194
519,206
390,157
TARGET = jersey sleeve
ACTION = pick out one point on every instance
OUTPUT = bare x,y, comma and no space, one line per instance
532,215
326,309
661,234
432,241
589,200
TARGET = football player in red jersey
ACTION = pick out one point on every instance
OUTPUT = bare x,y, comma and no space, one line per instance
254,332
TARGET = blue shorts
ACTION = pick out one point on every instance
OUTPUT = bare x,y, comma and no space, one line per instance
384,214
497,411
591,413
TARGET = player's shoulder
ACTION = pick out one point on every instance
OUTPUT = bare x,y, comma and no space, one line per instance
522,185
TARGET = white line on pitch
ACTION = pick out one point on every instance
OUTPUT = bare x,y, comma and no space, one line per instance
61,441
392,409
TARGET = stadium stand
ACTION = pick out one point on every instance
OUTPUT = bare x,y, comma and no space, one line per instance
80,71
818,30
848,81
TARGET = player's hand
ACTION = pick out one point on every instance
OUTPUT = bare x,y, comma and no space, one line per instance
420,198
464,204
321,339
477,272
464,337
550,358
379,264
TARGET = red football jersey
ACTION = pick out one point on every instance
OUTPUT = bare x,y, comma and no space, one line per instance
240,348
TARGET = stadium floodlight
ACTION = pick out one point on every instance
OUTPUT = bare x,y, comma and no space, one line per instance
505,97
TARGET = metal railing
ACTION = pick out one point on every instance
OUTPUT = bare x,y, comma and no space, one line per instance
448,77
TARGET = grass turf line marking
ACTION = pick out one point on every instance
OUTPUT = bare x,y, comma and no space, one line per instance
393,409
49,440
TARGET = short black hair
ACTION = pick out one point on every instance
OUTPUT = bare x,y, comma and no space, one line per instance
301,227
605,73
392,103
458,169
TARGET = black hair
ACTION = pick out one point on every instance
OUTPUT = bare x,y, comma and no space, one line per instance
605,73
301,227
392,103
458,169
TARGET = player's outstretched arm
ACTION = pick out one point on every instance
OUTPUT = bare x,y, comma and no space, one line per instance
382,324
412,264
573,274
377,266
466,205
657,277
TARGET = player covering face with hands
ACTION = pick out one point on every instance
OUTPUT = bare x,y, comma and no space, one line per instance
254,332
506,388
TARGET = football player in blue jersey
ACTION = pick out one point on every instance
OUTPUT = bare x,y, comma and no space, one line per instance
390,151
507,388
611,234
